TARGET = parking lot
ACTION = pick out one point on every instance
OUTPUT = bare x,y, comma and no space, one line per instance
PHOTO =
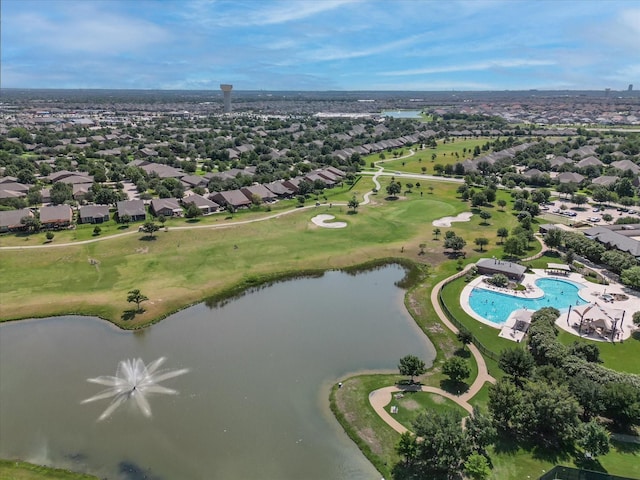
589,214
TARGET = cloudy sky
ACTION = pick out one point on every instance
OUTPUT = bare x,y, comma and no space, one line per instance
321,44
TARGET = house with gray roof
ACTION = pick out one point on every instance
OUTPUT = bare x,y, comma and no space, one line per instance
262,192
11,220
605,180
570,177
626,165
93,214
235,198
588,162
204,204
169,207
620,237
56,216
279,189
490,266
135,209
557,162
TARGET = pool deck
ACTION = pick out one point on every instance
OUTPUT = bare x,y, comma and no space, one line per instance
589,292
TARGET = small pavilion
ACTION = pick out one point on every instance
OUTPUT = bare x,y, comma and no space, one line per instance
596,319
558,269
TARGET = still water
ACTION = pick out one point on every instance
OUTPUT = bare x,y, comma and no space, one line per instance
254,404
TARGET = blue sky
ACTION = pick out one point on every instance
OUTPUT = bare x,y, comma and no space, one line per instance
321,44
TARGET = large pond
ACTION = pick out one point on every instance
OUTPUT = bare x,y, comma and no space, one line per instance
254,404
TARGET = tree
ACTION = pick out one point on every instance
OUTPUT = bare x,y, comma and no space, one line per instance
505,402
353,204
481,242
594,438
502,203
135,296
149,227
631,277
126,219
479,430
515,246
407,447
97,230
394,188
477,467
607,217
455,243
465,337
50,236
32,224
636,318
484,215
503,233
412,366
60,193
579,199
445,447
478,199
553,238
456,369
436,232
192,211
517,363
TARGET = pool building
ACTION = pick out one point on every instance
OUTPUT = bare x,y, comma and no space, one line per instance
490,266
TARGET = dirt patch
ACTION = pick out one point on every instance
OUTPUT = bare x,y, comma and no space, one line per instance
142,250
410,404
436,398
369,436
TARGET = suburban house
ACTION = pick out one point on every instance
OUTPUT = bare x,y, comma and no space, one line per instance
279,189
191,181
490,266
169,207
204,204
133,208
58,216
10,220
260,191
93,214
235,198
570,177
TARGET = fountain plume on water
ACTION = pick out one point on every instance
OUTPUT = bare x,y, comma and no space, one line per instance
133,381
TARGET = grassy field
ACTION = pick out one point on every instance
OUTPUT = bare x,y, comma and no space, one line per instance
414,403
10,470
445,154
183,266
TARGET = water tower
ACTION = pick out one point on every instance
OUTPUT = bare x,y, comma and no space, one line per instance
226,90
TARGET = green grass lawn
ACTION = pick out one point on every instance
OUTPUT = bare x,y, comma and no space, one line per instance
11,470
414,403
445,154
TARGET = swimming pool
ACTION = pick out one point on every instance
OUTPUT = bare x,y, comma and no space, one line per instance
496,307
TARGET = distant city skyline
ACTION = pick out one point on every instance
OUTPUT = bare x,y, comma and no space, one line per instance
320,44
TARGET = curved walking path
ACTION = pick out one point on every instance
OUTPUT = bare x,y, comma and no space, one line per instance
381,397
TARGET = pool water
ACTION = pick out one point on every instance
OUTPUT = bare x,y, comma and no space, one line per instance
496,307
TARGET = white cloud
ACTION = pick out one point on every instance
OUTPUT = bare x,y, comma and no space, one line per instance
339,53
86,30
471,67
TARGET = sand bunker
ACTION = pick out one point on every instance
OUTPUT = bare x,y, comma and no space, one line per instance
321,221
447,221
